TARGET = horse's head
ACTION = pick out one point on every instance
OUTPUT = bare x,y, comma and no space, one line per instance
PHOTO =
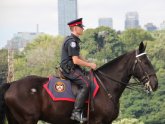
143,69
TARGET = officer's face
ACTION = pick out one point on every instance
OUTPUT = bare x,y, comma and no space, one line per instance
79,30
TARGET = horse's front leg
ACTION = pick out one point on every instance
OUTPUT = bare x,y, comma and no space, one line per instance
95,121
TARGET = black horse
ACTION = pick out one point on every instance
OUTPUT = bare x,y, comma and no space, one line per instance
25,101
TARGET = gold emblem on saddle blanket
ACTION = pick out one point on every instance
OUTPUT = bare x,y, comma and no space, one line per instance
59,86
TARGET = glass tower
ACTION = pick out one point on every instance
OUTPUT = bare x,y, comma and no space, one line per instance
67,11
132,20
105,22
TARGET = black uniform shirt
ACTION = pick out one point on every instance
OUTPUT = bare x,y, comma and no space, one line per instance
70,48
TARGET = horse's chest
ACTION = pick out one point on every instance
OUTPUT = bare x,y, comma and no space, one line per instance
112,111
115,111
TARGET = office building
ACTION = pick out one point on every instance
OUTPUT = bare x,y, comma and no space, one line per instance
106,22
132,20
67,11
20,40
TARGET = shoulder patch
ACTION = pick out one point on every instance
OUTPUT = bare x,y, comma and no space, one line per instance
73,44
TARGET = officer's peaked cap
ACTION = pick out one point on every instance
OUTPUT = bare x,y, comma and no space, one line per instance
76,22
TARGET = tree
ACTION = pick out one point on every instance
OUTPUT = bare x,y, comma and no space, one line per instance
128,121
101,44
132,38
39,57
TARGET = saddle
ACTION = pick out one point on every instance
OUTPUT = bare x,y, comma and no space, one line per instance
60,88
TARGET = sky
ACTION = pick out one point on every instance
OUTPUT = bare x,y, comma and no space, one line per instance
24,15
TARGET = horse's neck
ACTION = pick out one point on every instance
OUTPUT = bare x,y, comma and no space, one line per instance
119,70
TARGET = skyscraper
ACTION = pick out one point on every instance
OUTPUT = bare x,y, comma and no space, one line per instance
67,11
132,20
106,22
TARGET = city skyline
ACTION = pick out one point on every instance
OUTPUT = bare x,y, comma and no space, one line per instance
23,16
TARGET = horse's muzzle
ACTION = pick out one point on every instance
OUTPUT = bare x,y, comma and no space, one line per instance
152,84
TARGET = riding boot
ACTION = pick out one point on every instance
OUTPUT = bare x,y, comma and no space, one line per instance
78,106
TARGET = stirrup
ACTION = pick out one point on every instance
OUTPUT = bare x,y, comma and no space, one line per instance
82,119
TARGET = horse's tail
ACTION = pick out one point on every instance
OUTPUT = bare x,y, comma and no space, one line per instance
3,88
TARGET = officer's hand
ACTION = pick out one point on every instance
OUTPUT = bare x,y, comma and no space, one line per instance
93,66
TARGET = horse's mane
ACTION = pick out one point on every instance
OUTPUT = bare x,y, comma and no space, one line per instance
115,60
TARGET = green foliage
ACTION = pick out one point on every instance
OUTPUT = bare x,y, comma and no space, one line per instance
39,57
128,121
42,122
101,44
3,65
132,38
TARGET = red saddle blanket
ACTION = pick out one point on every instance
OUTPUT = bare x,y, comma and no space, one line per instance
61,90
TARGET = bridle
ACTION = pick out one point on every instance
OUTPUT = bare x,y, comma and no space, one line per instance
145,80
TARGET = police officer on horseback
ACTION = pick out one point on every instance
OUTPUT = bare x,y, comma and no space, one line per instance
71,63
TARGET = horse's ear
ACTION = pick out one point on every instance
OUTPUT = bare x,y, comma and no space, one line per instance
142,47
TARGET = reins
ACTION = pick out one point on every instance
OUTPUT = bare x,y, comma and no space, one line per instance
128,85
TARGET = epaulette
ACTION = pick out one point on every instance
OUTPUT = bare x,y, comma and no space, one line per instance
69,38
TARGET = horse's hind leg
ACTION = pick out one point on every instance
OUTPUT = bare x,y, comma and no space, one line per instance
30,122
12,121
97,121
10,118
